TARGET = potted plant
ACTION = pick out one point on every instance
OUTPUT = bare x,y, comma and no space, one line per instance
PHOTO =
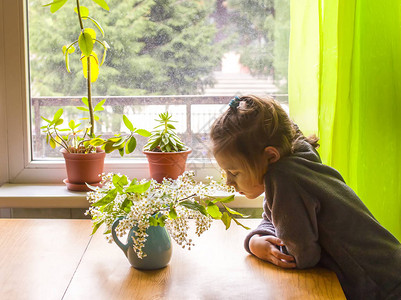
166,153
150,212
84,152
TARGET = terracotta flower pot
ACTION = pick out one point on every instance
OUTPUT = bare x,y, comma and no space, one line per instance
166,164
83,168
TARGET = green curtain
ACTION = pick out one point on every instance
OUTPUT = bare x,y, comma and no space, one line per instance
345,85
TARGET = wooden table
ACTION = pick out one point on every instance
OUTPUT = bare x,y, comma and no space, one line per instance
58,259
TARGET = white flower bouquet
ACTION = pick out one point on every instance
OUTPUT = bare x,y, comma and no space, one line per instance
168,204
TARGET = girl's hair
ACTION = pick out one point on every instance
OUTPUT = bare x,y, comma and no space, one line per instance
249,126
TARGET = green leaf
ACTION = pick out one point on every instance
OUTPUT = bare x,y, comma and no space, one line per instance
143,132
51,3
118,143
165,138
128,123
85,43
68,50
57,115
213,210
121,151
115,139
71,49
138,188
194,206
92,32
97,25
153,221
105,44
126,205
99,106
108,208
97,142
154,144
225,199
124,180
93,188
108,147
94,66
52,143
85,101
84,11
56,5
103,57
226,220
82,108
172,213
234,212
96,226
47,120
242,225
71,124
120,181
102,4
59,122
131,145
162,220
157,220
110,196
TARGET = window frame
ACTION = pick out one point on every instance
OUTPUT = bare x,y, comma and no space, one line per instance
16,164
14,92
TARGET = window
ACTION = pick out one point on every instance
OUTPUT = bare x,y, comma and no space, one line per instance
189,57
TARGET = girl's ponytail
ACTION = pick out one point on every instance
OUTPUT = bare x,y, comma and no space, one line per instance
312,139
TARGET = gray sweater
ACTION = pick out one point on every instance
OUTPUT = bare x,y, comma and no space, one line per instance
322,221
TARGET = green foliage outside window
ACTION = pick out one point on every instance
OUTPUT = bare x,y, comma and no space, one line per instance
162,47
263,42
157,47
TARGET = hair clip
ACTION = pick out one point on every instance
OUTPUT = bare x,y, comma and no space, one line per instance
234,102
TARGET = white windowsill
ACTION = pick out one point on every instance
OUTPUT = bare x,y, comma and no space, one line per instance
57,196
40,196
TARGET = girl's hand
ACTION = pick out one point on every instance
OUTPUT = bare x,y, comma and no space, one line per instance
264,247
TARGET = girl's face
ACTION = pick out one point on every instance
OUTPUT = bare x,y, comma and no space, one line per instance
239,177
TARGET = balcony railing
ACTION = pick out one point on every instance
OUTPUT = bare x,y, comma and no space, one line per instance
194,113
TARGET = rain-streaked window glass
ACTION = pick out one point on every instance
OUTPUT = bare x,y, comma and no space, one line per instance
188,57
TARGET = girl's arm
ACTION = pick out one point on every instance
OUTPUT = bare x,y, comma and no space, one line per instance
294,211
263,243
266,248
265,228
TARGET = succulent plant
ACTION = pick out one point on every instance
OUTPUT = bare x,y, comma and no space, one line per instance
164,137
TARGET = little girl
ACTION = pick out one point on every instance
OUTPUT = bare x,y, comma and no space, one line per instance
310,215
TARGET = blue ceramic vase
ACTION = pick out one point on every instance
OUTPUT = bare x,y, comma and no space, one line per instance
157,247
